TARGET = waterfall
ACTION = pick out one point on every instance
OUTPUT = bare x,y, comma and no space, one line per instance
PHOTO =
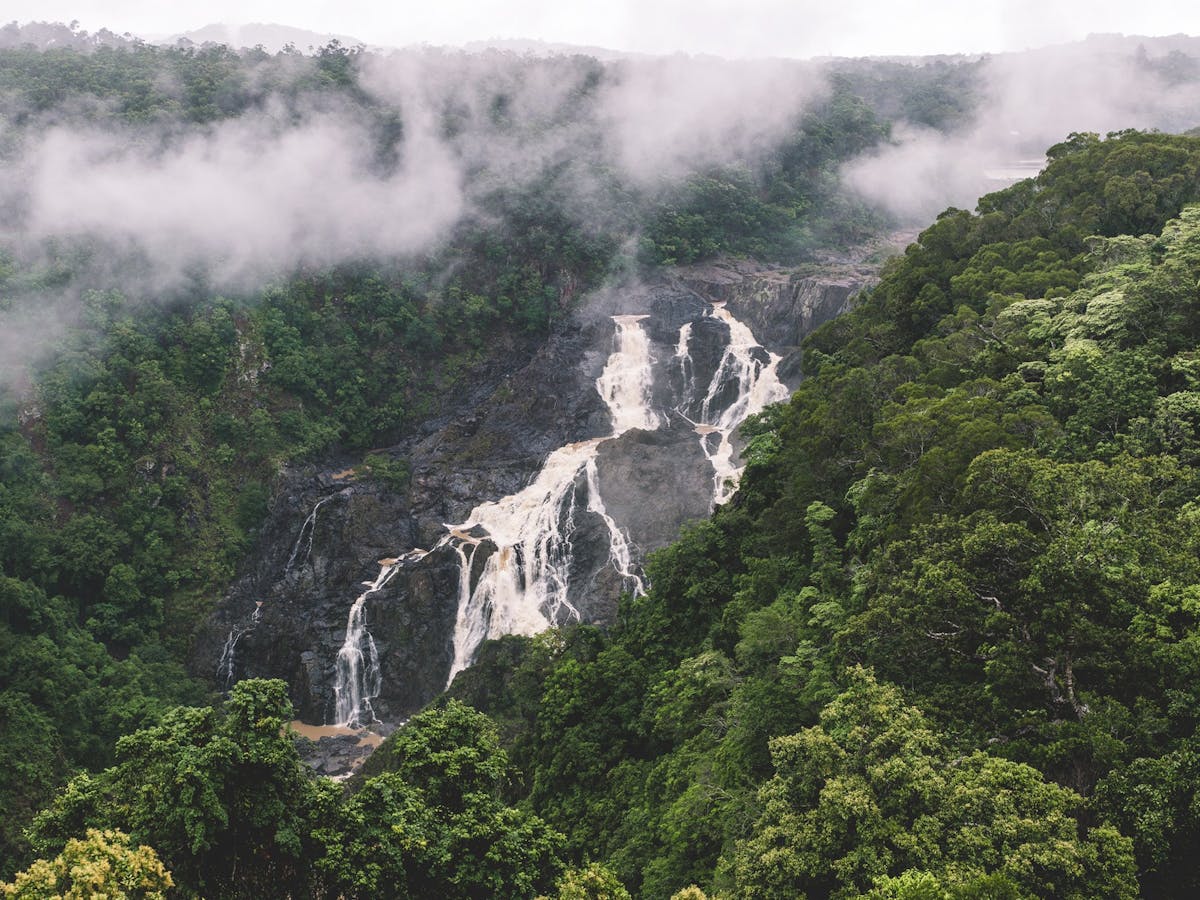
358,677
618,547
521,584
627,378
524,583
757,384
226,667
307,531
687,369
228,653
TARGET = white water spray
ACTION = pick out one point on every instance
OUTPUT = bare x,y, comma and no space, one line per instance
687,369
757,384
305,537
226,667
358,679
627,378
522,586
524,583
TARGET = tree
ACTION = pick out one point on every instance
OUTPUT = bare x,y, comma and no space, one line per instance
102,864
872,792
591,882
1156,801
221,794
435,824
1018,608
31,757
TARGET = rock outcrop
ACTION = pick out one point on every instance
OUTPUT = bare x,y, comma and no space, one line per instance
331,534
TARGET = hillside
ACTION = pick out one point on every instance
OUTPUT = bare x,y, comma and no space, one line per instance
940,642
966,544
172,343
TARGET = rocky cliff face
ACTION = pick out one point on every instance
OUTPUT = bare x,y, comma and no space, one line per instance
781,305
332,535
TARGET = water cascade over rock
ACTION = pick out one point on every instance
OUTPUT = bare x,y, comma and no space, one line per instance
525,583
559,467
748,373
358,677
307,529
227,665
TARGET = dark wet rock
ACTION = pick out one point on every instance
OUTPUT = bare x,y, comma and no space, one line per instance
780,306
596,584
653,482
334,756
288,608
693,374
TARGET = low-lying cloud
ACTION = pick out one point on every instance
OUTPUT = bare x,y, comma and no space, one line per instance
1031,101
311,183
668,116
245,197
251,197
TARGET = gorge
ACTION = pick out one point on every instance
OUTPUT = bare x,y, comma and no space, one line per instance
537,502
481,473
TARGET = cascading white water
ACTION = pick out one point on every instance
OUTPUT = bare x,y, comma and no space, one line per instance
225,667
687,369
618,548
523,586
757,384
627,378
307,529
228,656
358,676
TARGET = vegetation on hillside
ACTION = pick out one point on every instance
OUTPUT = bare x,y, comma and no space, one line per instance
942,644
138,454
959,566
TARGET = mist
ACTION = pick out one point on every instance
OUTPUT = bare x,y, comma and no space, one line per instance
1031,101
244,199
313,179
666,117
250,198
302,183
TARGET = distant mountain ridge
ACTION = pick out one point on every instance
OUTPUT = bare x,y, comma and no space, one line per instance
533,47
272,37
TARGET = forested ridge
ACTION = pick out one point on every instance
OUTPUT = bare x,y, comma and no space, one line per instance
956,573
941,644
140,447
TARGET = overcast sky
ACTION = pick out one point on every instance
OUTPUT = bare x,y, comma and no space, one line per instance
797,28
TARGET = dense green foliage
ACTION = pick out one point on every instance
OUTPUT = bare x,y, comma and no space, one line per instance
135,482
872,790
138,453
102,864
794,204
224,799
943,644
985,492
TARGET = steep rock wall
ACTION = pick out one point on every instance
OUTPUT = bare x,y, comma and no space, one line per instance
286,616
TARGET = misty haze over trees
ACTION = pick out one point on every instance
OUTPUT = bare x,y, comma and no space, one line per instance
943,641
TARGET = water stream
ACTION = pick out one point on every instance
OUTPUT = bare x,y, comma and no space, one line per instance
523,587
757,385
359,678
226,667
305,537
522,584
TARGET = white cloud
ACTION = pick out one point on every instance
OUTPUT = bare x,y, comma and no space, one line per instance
665,116
1031,101
729,27
247,197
